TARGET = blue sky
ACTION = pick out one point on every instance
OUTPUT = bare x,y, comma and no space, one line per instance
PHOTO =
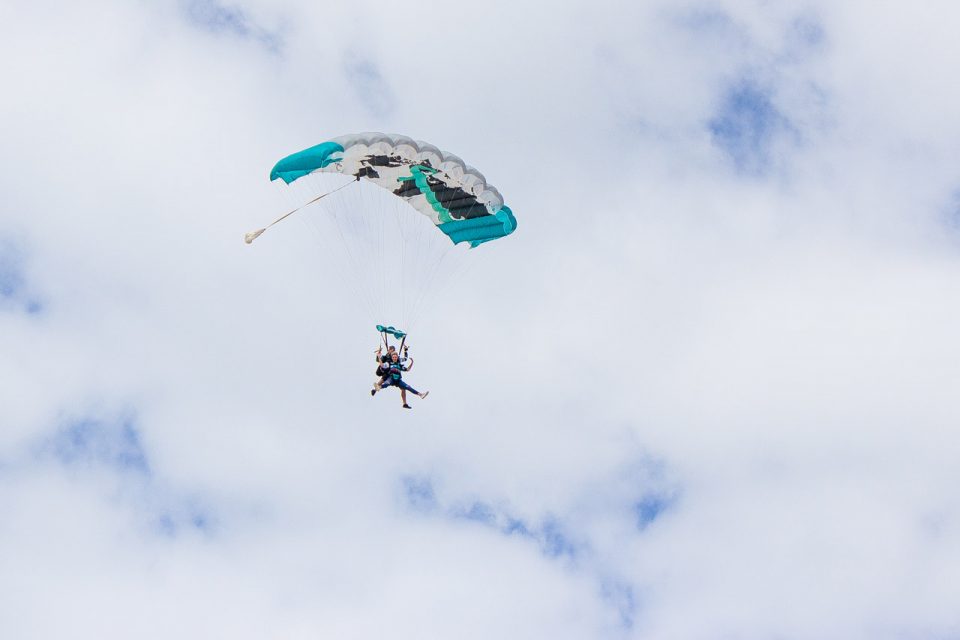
713,372
15,294
746,127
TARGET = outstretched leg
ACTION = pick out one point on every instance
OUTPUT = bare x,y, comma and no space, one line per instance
404,387
380,384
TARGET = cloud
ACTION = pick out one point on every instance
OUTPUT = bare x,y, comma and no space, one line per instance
571,537
419,494
622,596
721,376
11,277
14,289
650,507
218,18
809,30
369,85
97,451
746,127
92,442
548,532
953,210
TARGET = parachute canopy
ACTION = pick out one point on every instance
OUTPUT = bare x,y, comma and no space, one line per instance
453,195
396,333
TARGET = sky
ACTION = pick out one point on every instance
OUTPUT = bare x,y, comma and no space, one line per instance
710,388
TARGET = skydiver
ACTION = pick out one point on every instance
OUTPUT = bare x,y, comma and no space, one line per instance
394,378
383,365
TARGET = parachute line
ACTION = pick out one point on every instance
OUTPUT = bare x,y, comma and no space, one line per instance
253,235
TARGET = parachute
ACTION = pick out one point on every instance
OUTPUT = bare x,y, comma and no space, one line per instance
396,333
398,216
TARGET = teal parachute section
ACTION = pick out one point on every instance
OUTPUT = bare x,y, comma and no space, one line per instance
437,184
396,333
306,161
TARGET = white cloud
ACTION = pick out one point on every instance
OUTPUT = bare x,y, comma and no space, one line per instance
763,361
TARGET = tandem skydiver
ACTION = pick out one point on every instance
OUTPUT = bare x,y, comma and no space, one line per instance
383,362
391,373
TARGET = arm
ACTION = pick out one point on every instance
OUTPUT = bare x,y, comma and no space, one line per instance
409,366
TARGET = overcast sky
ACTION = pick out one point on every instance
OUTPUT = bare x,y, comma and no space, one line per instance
710,388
